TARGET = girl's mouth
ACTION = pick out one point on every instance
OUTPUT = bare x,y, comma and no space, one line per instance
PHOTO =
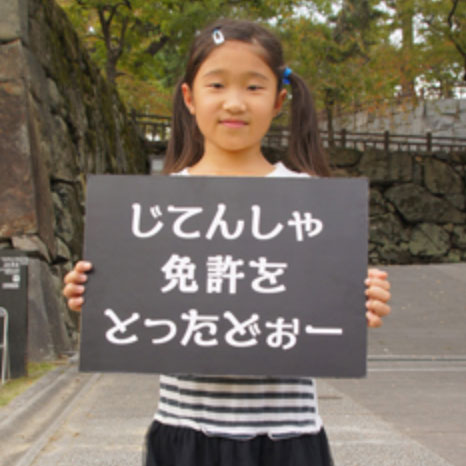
233,123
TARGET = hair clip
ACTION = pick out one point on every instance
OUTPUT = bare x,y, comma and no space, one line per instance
218,36
286,74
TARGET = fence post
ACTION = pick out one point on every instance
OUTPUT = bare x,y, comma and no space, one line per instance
386,140
429,141
343,138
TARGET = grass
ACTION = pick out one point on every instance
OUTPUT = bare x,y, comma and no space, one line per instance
15,387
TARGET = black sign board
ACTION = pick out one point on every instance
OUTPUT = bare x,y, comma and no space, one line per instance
14,299
220,275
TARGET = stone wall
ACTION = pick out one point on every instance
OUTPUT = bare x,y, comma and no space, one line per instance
59,120
417,204
442,117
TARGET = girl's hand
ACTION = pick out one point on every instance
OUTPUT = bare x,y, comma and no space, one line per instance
378,294
74,285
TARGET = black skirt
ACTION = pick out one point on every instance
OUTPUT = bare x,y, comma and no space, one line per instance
179,446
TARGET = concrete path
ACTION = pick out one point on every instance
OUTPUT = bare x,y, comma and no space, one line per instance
409,411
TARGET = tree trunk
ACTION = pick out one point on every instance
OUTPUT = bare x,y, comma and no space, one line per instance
329,105
405,14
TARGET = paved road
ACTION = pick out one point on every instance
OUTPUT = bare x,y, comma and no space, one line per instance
409,411
417,373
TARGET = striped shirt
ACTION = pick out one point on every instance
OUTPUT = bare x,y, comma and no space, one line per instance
241,406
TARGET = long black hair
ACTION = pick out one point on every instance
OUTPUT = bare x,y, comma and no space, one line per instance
186,144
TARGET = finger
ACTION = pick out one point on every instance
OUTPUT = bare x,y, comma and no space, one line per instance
385,284
75,304
83,266
72,290
378,307
377,273
373,320
75,277
375,292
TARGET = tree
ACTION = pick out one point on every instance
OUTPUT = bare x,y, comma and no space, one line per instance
445,26
337,56
433,43
147,41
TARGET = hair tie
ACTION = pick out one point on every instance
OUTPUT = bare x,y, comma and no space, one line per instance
218,36
286,74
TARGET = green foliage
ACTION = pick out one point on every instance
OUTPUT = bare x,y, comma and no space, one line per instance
443,27
342,55
140,41
341,47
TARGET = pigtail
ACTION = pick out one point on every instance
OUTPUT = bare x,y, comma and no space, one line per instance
306,152
185,146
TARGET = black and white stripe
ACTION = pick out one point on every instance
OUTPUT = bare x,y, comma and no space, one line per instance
239,407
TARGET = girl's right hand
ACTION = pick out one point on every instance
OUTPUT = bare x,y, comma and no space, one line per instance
74,285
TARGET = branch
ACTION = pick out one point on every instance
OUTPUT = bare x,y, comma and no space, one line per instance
121,40
155,46
452,13
105,28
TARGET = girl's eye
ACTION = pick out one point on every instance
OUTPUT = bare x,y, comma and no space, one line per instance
254,87
216,85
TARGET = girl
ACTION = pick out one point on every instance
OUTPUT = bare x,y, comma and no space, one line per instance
223,107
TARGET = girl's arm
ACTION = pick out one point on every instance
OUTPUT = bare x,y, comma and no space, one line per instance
378,294
74,285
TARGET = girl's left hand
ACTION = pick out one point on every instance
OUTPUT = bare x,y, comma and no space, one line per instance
378,294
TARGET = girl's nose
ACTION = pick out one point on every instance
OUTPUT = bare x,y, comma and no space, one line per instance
234,102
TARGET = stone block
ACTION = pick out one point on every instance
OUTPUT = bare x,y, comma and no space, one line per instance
5,244
447,132
64,157
44,207
459,131
344,157
377,205
442,124
68,215
37,77
441,178
57,102
385,229
31,244
46,333
39,45
416,204
63,252
459,237
384,168
17,193
11,61
40,342
457,200
459,158
361,119
387,234
429,241
13,20
454,256
448,107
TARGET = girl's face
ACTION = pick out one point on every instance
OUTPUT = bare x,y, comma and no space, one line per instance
234,98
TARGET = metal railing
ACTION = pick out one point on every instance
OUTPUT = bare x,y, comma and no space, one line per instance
154,128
